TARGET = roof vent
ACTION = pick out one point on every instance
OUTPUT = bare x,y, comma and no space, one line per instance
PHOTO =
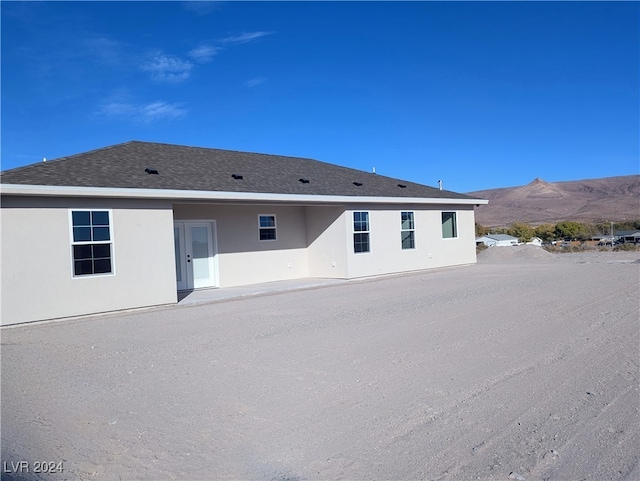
402,186
303,180
237,176
150,170
357,183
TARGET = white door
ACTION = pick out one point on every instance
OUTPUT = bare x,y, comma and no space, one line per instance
195,255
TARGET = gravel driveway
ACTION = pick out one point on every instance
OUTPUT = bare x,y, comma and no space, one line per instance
514,368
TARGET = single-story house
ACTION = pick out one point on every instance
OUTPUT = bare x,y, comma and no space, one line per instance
132,224
628,236
497,240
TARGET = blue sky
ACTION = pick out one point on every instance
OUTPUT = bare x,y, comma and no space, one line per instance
478,94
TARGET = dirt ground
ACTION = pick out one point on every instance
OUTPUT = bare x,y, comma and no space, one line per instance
524,366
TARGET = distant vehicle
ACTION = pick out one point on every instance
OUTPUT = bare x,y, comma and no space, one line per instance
607,242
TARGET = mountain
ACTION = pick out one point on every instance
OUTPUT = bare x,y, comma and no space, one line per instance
607,199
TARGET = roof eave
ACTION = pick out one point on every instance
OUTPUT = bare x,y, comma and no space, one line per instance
200,195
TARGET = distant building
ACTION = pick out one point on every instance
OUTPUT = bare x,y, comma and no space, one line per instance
536,241
497,240
628,236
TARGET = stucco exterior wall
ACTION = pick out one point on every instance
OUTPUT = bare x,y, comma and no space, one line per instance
242,258
386,255
317,241
37,279
312,241
327,255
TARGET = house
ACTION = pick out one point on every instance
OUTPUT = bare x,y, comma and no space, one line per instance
497,240
535,241
628,236
130,225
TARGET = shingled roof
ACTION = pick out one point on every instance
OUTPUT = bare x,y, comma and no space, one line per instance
134,165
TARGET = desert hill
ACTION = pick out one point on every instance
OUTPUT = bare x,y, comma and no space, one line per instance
607,199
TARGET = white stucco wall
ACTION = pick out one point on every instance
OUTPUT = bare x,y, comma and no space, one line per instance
37,279
386,255
242,258
326,230
312,241
317,241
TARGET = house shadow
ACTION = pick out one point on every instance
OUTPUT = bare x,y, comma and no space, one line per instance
184,294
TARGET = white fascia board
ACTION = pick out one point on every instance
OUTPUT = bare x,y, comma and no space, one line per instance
196,195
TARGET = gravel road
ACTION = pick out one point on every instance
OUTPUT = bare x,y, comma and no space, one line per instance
521,367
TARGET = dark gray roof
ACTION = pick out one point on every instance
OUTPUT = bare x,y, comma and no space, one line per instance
195,168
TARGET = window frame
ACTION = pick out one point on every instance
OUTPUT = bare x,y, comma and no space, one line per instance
109,242
411,230
357,232
265,228
454,216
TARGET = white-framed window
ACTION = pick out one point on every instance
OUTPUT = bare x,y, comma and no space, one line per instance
449,225
91,242
407,230
267,227
361,232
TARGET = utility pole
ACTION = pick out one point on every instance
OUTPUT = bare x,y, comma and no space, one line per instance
611,234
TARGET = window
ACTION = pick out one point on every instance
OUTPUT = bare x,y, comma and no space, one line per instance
360,232
449,227
92,242
267,227
407,230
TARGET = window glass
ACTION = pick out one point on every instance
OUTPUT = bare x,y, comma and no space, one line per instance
91,242
267,227
82,251
408,239
360,221
82,268
407,220
267,221
81,218
360,243
267,234
101,233
407,233
102,266
100,217
361,232
82,234
449,228
101,250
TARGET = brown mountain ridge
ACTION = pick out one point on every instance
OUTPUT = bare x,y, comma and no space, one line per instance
591,200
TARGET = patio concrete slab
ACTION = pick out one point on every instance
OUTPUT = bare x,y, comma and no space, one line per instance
204,296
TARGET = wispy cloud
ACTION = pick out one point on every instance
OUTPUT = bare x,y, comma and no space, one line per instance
166,68
104,50
254,82
204,53
162,110
145,113
245,37
201,8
